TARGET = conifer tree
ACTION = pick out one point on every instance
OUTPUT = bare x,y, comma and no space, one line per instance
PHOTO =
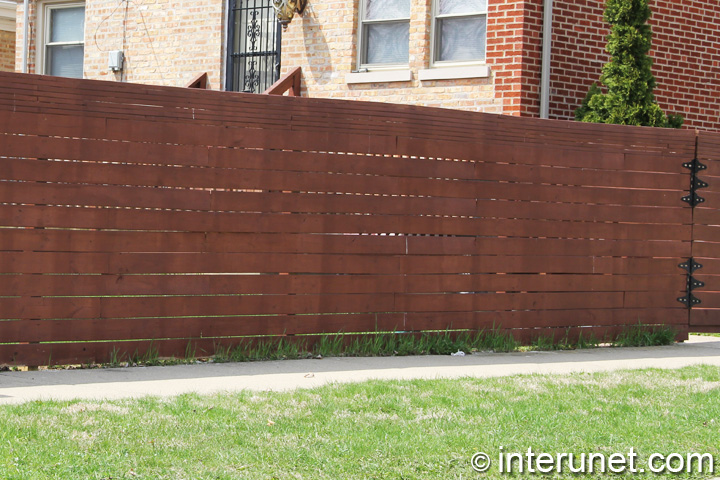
628,78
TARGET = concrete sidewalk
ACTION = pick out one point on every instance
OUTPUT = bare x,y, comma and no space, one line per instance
114,383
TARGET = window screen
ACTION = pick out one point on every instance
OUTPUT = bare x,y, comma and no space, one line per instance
460,30
385,32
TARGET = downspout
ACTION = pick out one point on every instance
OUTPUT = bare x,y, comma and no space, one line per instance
546,56
26,18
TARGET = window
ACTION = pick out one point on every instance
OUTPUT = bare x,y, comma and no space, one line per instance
459,30
384,32
64,37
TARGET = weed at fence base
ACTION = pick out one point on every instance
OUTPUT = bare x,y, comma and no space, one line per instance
645,336
433,343
377,344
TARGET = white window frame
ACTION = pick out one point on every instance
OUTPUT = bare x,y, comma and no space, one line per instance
435,37
44,33
361,43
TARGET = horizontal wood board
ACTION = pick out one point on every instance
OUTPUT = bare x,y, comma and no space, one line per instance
131,213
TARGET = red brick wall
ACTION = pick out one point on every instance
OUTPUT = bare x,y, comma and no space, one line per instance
686,54
504,51
514,32
532,57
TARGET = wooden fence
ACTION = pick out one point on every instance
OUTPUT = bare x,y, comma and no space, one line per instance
138,217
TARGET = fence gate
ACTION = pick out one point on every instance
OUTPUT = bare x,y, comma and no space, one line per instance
703,286
253,62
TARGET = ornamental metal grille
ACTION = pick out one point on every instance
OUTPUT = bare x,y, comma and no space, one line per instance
253,46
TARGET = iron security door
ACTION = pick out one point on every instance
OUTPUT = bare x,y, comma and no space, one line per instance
253,46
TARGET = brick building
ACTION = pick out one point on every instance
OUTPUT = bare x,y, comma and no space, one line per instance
7,36
481,55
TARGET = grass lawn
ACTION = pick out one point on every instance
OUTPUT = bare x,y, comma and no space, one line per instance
393,430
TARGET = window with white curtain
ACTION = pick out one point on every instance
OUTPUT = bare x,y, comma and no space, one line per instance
384,32
459,30
63,39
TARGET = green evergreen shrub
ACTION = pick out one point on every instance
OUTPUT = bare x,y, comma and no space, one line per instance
627,78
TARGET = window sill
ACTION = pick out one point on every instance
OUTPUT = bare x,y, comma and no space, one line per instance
379,76
448,73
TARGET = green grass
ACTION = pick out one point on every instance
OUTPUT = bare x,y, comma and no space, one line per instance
374,430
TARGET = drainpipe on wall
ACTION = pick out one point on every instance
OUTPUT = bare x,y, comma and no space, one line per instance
546,52
26,18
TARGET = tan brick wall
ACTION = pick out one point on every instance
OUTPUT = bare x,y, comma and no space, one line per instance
166,42
7,51
328,30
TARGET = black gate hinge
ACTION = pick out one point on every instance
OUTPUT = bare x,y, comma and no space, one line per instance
695,183
693,199
691,265
690,300
695,165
